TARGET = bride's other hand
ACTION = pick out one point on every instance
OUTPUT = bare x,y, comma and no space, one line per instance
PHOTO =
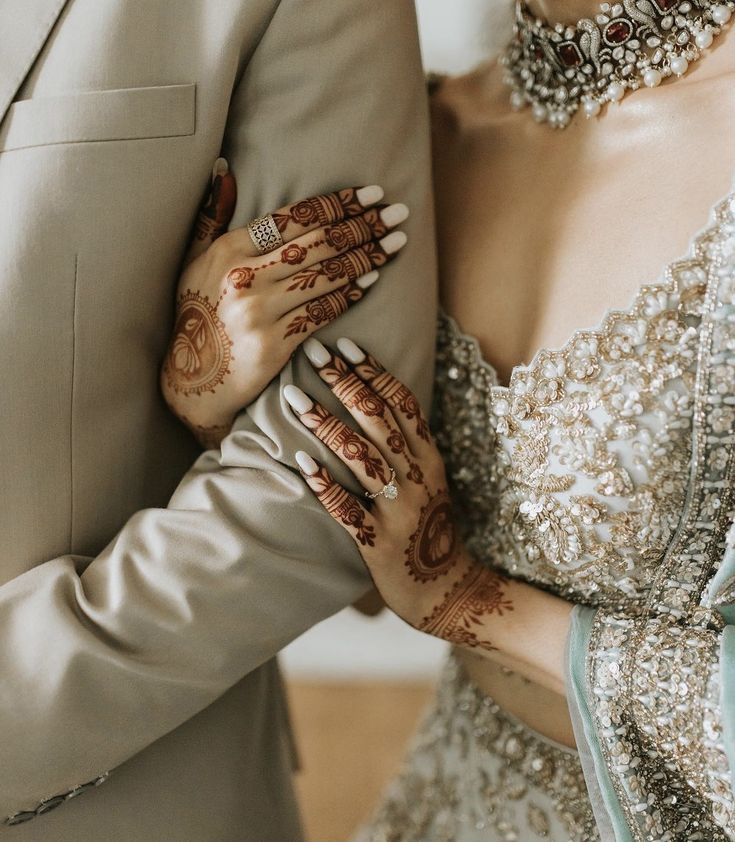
241,314
403,523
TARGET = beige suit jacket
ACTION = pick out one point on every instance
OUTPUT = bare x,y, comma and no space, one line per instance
139,620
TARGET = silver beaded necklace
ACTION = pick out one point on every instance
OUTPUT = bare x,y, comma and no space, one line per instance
557,69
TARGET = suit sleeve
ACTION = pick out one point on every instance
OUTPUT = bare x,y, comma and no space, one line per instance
100,657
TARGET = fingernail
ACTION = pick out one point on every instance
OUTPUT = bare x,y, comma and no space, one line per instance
370,195
367,280
306,463
394,242
316,352
298,400
221,167
350,351
394,214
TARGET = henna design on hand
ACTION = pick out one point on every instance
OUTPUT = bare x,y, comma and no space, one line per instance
345,267
460,615
342,506
321,210
293,254
340,439
324,309
241,278
216,213
200,354
353,393
209,437
354,232
395,394
432,551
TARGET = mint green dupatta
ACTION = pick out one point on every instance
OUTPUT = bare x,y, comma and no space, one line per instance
652,696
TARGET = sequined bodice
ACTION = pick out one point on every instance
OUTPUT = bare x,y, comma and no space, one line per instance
574,476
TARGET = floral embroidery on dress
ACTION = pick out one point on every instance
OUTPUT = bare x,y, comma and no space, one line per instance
574,475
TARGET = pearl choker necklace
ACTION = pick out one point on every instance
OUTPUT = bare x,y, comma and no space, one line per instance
556,69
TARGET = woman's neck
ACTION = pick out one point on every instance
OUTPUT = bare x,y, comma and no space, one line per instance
563,11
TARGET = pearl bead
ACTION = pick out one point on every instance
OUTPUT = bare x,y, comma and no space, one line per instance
679,65
721,15
703,39
517,101
591,107
652,78
615,91
539,112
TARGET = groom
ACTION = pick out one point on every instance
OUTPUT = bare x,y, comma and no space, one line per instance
137,628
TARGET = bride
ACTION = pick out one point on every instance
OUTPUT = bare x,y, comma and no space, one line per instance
569,526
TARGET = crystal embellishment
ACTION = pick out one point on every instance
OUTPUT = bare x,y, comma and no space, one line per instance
558,69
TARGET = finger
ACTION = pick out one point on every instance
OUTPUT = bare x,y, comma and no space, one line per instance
322,244
399,397
302,321
359,455
368,409
344,507
217,210
328,275
321,211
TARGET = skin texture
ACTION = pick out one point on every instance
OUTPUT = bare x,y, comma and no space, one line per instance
240,315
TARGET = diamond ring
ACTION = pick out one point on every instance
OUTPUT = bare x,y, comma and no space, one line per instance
389,490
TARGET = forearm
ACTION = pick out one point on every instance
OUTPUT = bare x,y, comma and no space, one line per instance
505,620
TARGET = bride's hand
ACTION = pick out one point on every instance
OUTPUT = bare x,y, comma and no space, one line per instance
241,314
404,525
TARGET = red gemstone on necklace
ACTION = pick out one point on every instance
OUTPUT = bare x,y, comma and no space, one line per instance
666,5
618,31
569,54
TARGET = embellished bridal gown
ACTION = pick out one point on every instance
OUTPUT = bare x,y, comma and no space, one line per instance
604,473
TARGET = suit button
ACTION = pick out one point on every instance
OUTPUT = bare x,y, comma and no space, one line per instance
50,804
19,818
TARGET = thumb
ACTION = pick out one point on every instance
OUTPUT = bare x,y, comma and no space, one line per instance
216,211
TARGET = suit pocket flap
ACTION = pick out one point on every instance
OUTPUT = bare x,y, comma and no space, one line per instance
124,114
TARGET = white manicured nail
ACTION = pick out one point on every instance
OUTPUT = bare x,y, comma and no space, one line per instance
350,351
221,167
299,400
316,352
306,463
394,242
394,214
370,195
367,280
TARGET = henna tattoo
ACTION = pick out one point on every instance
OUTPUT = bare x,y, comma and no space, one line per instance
351,392
200,355
343,441
354,232
241,278
342,506
209,437
293,254
216,213
324,309
345,267
321,210
459,617
395,394
432,549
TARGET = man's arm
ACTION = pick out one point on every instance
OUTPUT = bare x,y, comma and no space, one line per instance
100,657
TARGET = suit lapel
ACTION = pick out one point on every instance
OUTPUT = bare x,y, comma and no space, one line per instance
25,26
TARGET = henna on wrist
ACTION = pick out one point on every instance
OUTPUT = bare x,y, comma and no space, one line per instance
460,616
